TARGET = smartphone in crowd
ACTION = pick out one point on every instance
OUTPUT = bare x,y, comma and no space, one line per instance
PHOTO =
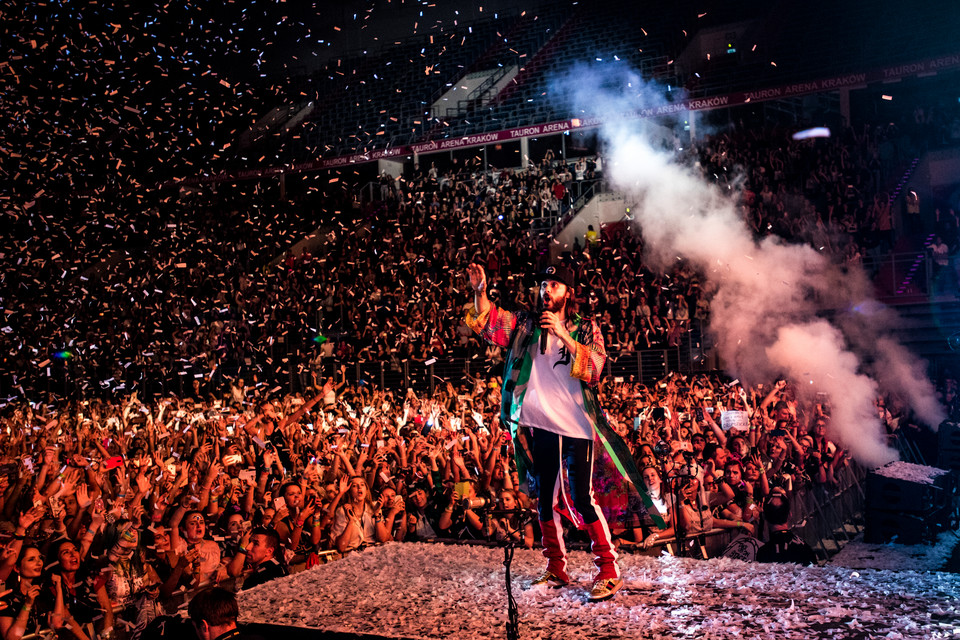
56,507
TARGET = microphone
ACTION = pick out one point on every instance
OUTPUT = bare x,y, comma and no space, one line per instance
543,332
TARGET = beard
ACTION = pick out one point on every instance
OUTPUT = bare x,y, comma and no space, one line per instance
555,305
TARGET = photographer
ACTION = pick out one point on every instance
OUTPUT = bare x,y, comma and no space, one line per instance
459,519
784,545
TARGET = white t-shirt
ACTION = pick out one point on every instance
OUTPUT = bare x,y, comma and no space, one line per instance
209,555
343,517
553,400
662,503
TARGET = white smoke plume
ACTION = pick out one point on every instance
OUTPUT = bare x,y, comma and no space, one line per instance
778,308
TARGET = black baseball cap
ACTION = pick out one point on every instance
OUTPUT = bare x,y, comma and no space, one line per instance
557,273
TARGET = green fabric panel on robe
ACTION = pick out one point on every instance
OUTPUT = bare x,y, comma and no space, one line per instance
620,454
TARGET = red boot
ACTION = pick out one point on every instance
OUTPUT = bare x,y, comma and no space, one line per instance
555,553
605,557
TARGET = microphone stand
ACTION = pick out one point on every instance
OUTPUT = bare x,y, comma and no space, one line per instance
509,547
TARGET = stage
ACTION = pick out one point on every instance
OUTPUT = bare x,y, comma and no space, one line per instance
448,591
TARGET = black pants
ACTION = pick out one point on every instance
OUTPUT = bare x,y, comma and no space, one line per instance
550,450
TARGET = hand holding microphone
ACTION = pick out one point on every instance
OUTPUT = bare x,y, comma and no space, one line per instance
541,308
549,323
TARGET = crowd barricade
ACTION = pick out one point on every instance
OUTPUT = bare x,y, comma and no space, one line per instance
827,516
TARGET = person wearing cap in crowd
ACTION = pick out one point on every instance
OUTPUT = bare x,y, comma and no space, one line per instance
784,545
550,401
421,518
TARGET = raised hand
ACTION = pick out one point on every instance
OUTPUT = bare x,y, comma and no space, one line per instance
477,277
219,487
309,508
136,511
30,517
69,482
143,483
9,556
213,471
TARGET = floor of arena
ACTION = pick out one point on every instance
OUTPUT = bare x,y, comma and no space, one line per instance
439,591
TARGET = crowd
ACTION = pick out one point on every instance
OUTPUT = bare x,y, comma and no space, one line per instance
147,334
201,302
115,510
112,512
833,194
188,294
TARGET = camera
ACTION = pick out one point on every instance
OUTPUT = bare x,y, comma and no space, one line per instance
474,503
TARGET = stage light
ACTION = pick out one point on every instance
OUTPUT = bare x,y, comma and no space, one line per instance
815,132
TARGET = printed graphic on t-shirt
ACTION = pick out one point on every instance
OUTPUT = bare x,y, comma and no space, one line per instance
564,357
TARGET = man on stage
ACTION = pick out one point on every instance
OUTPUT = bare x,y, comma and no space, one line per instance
554,364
